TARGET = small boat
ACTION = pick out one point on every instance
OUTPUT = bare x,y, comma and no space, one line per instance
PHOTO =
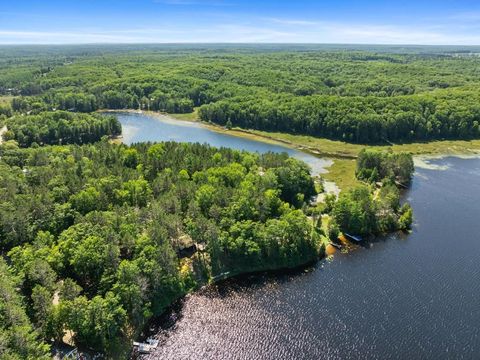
146,347
335,245
221,276
152,342
354,238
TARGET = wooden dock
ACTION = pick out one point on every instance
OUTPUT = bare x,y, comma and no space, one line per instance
221,276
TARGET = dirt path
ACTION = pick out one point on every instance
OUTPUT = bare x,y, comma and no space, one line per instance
2,131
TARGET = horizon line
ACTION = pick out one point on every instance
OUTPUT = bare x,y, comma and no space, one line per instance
235,43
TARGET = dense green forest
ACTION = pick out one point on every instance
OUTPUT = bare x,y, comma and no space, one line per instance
373,166
18,338
102,227
98,238
363,95
60,127
116,234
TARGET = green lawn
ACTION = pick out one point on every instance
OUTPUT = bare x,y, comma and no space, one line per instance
193,116
4,100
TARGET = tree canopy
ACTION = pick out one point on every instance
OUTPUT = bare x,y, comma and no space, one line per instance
99,238
367,95
60,127
102,227
374,165
375,207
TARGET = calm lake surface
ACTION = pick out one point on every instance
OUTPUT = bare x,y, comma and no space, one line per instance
402,297
140,127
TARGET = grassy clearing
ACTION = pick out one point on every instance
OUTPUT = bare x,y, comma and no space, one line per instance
322,146
193,116
342,172
346,150
446,147
5,100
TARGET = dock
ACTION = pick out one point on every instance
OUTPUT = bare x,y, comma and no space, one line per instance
354,238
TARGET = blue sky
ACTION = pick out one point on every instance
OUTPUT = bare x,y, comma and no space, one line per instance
301,21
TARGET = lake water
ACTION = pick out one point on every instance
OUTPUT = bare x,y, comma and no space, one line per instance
139,127
402,297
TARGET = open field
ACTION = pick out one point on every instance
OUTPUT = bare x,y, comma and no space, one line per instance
346,150
342,173
193,116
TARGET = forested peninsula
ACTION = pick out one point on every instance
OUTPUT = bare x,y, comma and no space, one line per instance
117,233
104,228
98,238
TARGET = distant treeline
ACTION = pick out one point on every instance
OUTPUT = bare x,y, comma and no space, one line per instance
355,119
356,96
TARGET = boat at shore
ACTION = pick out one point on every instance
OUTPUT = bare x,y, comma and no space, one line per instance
354,238
147,347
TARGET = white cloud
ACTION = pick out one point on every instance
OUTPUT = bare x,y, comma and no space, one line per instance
82,37
342,32
259,30
292,21
385,34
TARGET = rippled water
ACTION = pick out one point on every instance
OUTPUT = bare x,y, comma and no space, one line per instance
402,297
414,297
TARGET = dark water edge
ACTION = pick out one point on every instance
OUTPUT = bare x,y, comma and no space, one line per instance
159,326
166,322
414,297
400,297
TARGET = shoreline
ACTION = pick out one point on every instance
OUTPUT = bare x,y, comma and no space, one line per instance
343,155
263,136
209,126
301,267
258,135
155,323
